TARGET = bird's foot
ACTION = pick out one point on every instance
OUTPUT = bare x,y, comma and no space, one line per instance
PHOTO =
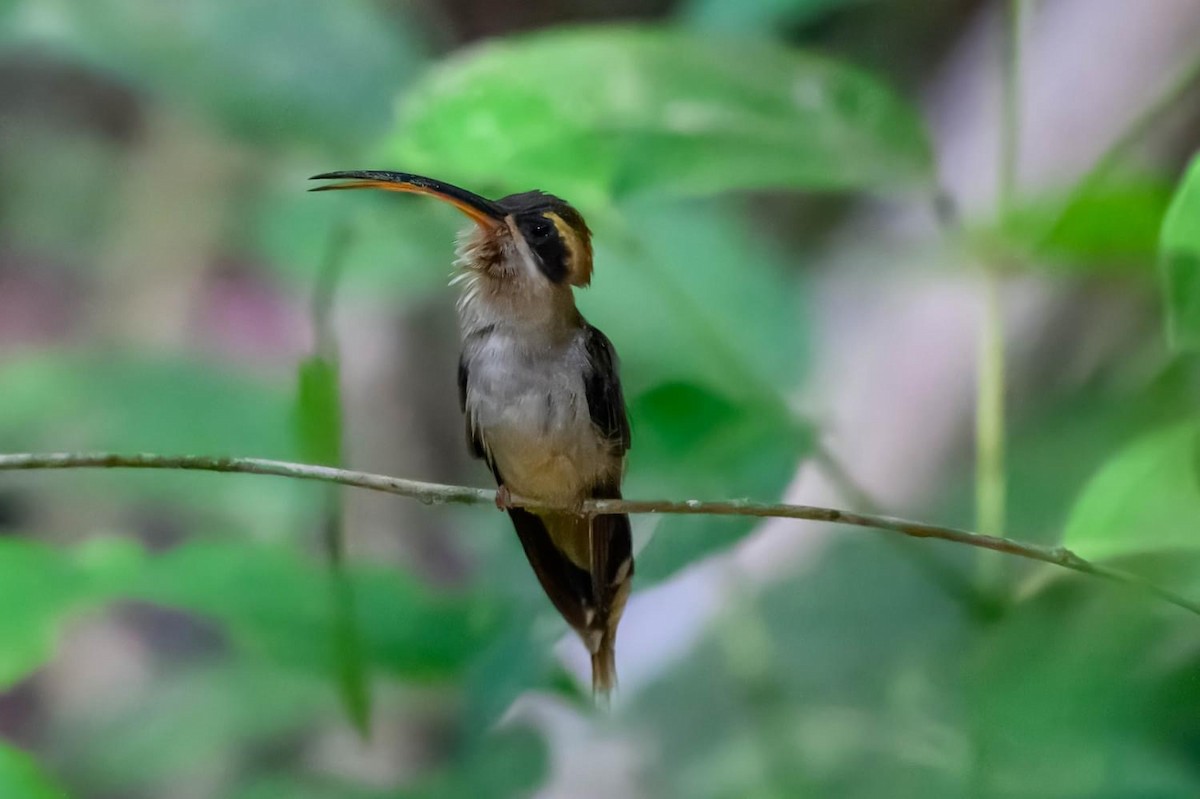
503,498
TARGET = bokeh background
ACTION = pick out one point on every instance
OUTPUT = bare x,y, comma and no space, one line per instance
799,206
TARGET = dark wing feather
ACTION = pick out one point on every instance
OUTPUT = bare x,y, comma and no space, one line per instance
568,586
602,386
611,542
474,439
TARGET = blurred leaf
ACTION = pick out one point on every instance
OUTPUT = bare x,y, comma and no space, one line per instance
187,727
288,787
107,401
42,589
692,443
272,601
1180,260
22,778
276,603
1109,225
757,16
1145,499
402,246
349,666
519,659
711,333
634,110
796,705
697,295
39,588
509,763
319,412
1060,697
1090,422
127,403
271,69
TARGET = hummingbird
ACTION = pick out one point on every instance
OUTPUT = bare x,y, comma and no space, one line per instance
540,394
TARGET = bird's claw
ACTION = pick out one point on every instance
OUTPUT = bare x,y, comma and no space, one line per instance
503,498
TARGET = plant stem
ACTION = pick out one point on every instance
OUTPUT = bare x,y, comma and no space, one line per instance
990,483
990,479
439,494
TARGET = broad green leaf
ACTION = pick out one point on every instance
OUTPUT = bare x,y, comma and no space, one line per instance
1180,262
1070,696
757,16
271,69
598,113
694,444
690,292
22,778
1112,225
711,332
1145,499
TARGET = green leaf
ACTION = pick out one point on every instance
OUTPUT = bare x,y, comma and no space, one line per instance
129,402
277,603
1107,226
22,778
710,328
757,16
693,443
272,602
1146,499
697,295
123,402
1180,262
1071,673
319,412
599,113
268,69
43,589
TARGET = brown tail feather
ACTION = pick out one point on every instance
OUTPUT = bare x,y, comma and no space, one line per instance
591,600
604,668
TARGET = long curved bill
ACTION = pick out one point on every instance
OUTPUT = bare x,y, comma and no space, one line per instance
480,209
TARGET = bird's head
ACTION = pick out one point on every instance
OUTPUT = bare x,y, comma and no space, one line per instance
532,237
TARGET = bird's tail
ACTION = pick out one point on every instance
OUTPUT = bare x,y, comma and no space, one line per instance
589,589
604,668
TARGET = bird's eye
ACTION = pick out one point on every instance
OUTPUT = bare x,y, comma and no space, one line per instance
540,230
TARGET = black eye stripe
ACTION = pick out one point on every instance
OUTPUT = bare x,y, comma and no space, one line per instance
548,246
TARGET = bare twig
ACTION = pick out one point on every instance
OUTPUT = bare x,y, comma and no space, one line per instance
439,494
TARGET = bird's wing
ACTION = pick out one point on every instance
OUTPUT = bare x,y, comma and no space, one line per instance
602,387
475,442
610,539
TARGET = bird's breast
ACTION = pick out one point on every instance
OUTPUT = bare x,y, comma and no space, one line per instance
531,412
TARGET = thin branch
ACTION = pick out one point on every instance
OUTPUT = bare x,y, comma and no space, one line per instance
439,494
